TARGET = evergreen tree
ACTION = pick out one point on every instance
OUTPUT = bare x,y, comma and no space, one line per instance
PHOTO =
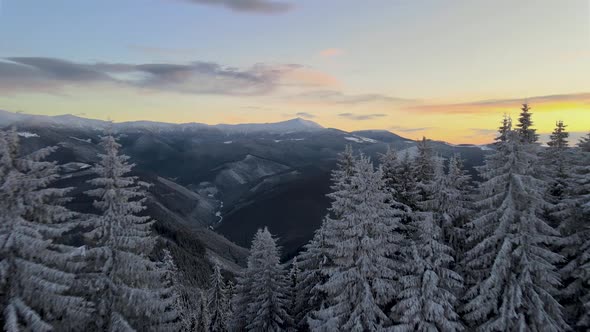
450,201
360,243
312,262
584,143
424,170
217,302
426,300
294,279
511,261
203,320
525,123
231,292
269,290
504,130
35,271
557,164
127,284
398,178
575,227
178,311
344,168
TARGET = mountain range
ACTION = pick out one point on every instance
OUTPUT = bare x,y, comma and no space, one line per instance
215,185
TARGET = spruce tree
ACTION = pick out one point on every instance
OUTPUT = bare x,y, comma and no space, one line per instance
361,241
575,227
35,270
203,319
230,293
398,178
312,262
217,302
268,296
511,262
127,286
178,311
584,143
450,201
424,170
525,123
426,300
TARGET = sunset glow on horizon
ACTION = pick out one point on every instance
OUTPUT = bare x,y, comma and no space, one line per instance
448,71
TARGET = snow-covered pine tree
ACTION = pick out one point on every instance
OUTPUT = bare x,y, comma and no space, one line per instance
424,170
584,143
344,168
426,300
176,316
127,286
514,268
399,180
294,279
241,300
217,302
575,227
312,262
270,287
525,124
450,201
230,293
35,271
361,242
557,164
503,130
203,319
405,191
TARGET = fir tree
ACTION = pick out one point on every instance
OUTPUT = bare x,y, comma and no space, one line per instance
514,270
177,314
269,290
217,301
584,143
35,271
426,300
203,319
231,292
128,289
450,200
575,227
312,262
294,279
360,242
424,170
557,163
525,123
398,178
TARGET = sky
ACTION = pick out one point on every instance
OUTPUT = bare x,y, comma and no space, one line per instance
448,70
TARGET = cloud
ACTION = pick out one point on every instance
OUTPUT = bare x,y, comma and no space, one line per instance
409,130
35,74
492,105
331,52
336,97
250,6
305,115
361,117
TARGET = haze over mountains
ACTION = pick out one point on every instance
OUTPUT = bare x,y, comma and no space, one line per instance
232,179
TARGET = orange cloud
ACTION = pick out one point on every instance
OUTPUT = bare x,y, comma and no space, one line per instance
540,103
331,52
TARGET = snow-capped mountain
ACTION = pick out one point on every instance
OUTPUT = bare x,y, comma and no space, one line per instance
73,121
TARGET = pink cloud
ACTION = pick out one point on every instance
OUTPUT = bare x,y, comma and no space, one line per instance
331,52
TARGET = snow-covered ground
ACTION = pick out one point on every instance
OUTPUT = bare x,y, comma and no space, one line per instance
27,134
360,139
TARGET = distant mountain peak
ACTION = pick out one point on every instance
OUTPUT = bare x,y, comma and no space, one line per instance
70,120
